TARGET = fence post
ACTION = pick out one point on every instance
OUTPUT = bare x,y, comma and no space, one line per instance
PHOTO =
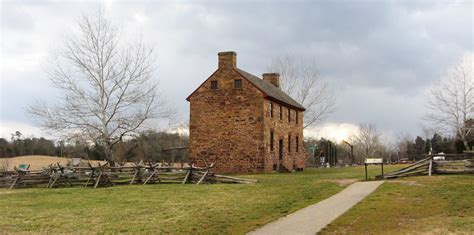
431,166
365,171
382,170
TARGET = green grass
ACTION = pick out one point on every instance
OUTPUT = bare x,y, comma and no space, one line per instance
170,208
430,205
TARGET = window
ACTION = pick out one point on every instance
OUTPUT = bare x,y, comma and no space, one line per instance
213,85
289,143
297,143
281,113
238,84
271,141
271,109
289,115
296,117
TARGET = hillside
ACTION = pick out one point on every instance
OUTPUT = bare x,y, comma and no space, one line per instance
37,161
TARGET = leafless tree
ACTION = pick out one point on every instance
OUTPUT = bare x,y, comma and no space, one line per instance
402,145
302,81
107,88
368,140
391,150
5,164
451,100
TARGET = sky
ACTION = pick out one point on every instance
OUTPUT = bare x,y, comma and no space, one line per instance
379,57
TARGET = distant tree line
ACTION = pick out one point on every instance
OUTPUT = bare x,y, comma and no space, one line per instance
19,146
147,146
413,149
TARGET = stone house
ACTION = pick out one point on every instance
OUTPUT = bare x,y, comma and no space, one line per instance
243,123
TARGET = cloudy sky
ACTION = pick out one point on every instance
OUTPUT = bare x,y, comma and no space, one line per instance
379,56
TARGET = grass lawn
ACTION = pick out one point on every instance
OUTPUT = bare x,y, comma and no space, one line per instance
170,208
429,205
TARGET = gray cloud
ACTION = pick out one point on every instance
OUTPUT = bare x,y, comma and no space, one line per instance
379,56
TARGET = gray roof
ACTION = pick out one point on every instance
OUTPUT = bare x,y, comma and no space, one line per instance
270,89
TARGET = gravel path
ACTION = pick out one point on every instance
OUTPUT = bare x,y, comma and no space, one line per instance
312,219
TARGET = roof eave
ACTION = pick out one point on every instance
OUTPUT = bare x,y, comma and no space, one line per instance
267,96
284,103
189,97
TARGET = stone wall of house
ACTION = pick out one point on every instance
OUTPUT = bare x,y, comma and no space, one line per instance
283,129
226,124
231,126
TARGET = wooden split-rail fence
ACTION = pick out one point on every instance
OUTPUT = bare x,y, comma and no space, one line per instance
104,175
437,164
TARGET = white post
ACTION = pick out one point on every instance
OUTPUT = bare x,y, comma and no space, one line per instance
431,167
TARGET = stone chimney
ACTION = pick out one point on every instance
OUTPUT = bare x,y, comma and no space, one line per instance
227,60
273,78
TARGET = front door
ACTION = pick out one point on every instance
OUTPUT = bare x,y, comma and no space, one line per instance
280,149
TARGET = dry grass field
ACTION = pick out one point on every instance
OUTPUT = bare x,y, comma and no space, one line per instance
37,162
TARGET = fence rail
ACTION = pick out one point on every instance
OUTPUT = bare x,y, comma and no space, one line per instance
105,175
432,164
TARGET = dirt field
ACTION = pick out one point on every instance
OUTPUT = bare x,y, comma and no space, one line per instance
37,161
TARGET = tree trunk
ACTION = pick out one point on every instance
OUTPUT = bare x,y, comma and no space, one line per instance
466,144
109,156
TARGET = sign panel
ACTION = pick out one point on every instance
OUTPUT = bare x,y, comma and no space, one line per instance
373,160
322,160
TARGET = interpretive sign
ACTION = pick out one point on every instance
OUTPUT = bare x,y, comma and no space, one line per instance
373,161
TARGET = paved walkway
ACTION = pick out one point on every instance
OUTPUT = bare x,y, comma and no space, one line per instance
312,219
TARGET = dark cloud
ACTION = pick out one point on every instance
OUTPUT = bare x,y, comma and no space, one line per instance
378,56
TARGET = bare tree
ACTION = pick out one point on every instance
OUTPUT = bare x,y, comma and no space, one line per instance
451,100
391,150
402,143
302,81
107,88
5,164
368,139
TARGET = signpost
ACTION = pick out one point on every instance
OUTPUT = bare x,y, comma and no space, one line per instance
351,153
313,150
373,161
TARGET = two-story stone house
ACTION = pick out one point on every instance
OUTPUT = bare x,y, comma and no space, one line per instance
243,123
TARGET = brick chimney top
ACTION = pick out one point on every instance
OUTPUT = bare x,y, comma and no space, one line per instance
227,59
273,78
